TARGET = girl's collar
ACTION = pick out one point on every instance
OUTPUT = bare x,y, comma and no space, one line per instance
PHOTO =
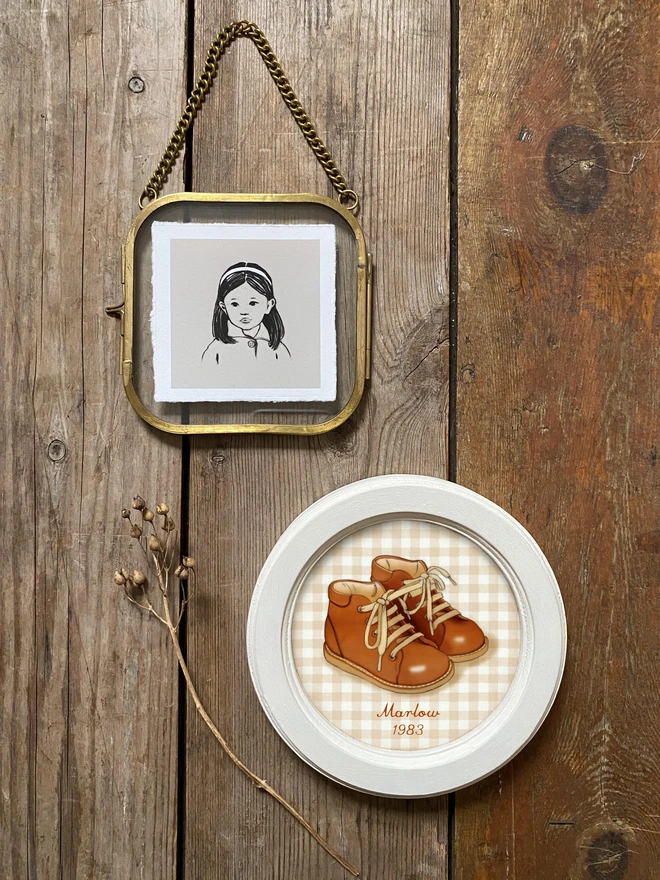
237,333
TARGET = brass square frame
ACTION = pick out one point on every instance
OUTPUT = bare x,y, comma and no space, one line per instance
125,312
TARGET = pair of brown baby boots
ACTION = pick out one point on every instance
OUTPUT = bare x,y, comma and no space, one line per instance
398,631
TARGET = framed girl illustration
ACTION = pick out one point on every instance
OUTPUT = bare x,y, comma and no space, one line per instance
246,322
244,312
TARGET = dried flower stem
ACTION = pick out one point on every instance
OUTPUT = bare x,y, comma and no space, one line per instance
260,783
161,561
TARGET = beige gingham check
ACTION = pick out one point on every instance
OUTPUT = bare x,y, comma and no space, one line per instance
482,593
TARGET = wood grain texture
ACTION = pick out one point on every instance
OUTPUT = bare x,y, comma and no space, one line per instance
374,78
87,688
558,408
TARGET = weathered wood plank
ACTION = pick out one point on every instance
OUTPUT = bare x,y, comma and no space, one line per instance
374,77
87,689
558,408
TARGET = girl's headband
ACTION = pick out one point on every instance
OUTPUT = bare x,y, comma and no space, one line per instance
254,271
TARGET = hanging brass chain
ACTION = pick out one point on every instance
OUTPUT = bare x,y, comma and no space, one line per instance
221,43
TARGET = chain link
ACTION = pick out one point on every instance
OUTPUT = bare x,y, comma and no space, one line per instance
224,39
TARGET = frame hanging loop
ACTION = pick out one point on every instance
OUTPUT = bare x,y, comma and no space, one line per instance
223,40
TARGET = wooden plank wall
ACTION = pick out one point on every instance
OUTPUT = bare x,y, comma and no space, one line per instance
88,779
556,420
558,399
357,68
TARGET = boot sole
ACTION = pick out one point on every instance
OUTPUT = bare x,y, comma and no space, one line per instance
354,669
463,658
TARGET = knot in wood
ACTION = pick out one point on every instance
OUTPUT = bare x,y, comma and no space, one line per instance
468,372
608,856
576,169
56,450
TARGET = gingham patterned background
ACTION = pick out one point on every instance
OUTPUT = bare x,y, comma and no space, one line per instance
477,687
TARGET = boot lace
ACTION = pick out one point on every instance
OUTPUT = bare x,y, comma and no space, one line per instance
431,585
385,615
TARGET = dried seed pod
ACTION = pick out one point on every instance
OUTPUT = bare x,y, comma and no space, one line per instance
154,544
125,574
120,580
138,503
163,509
139,577
188,561
183,576
126,513
178,570
168,525
148,515
136,530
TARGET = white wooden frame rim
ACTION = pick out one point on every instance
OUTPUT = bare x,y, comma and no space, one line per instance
388,772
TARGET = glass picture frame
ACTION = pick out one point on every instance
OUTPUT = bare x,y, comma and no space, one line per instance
294,263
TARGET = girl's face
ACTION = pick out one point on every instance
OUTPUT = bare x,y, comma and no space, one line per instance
246,307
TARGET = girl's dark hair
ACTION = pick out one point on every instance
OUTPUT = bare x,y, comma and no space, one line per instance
263,284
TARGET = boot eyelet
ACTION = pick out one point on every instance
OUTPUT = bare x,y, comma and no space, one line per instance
360,608
392,657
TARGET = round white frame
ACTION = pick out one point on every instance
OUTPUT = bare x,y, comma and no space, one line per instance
498,737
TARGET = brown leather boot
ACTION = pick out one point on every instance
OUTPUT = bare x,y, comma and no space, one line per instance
428,610
367,635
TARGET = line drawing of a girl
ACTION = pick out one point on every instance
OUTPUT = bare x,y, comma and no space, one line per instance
246,322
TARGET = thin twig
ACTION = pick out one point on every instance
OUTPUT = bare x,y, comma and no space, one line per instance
139,604
149,608
260,783
160,562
